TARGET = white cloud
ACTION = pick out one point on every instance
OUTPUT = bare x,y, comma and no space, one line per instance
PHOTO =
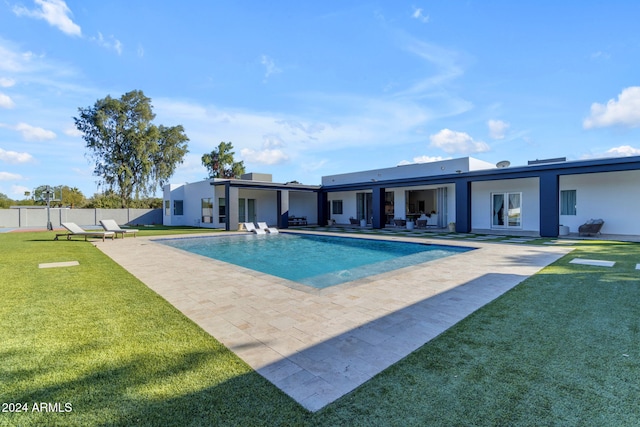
273,141
497,128
55,12
600,55
13,61
306,128
419,15
312,166
5,82
33,133
14,156
271,152
109,43
423,159
19,190
270,66
6,101
265,156
451,142
447,63
72,131
623,112
623,151
8,176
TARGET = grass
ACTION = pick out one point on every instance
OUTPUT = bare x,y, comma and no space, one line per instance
562,348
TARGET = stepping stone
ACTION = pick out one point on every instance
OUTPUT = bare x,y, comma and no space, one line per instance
58,264
637,266
595,262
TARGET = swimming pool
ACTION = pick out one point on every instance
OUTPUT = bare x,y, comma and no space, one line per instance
313,260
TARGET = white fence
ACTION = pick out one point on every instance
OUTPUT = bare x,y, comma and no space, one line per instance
30,216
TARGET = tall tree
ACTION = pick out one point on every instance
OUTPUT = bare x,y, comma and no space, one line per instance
72,197
41,192
131,154
220,162
5,201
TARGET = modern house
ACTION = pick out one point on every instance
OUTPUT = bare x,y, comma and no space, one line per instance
225,203
536,199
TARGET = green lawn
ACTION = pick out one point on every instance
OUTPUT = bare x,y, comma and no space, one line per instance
562,348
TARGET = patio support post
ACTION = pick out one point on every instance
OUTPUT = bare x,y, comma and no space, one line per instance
463,206
323,215
226,206
378,200
283,208
549,204
231,207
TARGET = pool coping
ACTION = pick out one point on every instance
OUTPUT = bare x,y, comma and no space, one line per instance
319,346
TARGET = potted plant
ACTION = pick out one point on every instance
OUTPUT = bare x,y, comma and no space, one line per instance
452,227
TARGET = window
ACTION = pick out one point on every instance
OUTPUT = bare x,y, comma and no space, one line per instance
336,207
207,211
177,207
167,208
568,202
222,212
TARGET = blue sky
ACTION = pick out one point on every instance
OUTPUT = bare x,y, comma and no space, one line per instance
306,89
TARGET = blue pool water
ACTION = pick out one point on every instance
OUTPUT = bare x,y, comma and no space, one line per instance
313,260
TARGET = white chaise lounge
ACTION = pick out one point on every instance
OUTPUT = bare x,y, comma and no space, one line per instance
265,227
112,225
75,230
251,227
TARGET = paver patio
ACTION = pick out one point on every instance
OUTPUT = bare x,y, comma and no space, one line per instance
317,345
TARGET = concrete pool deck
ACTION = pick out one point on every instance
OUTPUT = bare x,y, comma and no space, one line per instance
318,345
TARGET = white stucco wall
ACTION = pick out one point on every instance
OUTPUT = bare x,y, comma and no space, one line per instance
349,206
172,192
481,214
191,195
443,167
266,205
304,204
612,196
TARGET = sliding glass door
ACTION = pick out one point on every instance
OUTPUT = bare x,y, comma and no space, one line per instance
506,210
364,206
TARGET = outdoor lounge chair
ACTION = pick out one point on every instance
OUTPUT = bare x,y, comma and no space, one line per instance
75,230
265,227
249,226
111,225
591,227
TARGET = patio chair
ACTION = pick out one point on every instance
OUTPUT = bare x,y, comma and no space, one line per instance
251,227
74,230
399,222
112,225
591,227
265,227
